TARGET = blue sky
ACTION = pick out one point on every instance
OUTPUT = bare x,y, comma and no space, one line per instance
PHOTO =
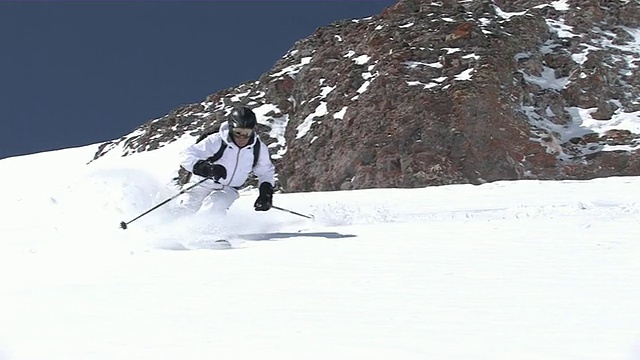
76,73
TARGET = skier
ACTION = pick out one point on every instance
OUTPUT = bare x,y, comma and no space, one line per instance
233,146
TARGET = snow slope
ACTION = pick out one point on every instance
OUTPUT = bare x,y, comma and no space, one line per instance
507,270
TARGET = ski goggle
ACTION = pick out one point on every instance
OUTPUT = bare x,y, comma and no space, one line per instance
242,132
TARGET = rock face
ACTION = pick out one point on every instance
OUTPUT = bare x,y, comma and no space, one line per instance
432,93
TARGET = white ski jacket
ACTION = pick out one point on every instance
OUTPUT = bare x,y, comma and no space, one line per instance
237,161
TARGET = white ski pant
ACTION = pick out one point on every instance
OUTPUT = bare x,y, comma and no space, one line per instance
209,197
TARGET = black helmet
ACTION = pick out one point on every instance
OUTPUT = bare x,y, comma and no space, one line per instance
242,117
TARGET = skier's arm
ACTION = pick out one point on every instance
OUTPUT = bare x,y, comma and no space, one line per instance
200,151
264,169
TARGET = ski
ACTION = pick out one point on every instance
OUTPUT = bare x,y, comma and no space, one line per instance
219,244
222,244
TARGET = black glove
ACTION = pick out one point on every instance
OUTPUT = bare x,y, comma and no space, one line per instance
263,202
208,169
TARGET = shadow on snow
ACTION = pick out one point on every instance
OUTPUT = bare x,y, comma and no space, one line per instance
287,235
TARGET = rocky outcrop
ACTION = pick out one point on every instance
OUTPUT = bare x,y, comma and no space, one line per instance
431,93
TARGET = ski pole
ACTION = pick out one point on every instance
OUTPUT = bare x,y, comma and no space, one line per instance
123,224
293,212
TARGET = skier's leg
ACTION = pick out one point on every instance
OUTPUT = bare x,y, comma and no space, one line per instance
219,201
192,199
